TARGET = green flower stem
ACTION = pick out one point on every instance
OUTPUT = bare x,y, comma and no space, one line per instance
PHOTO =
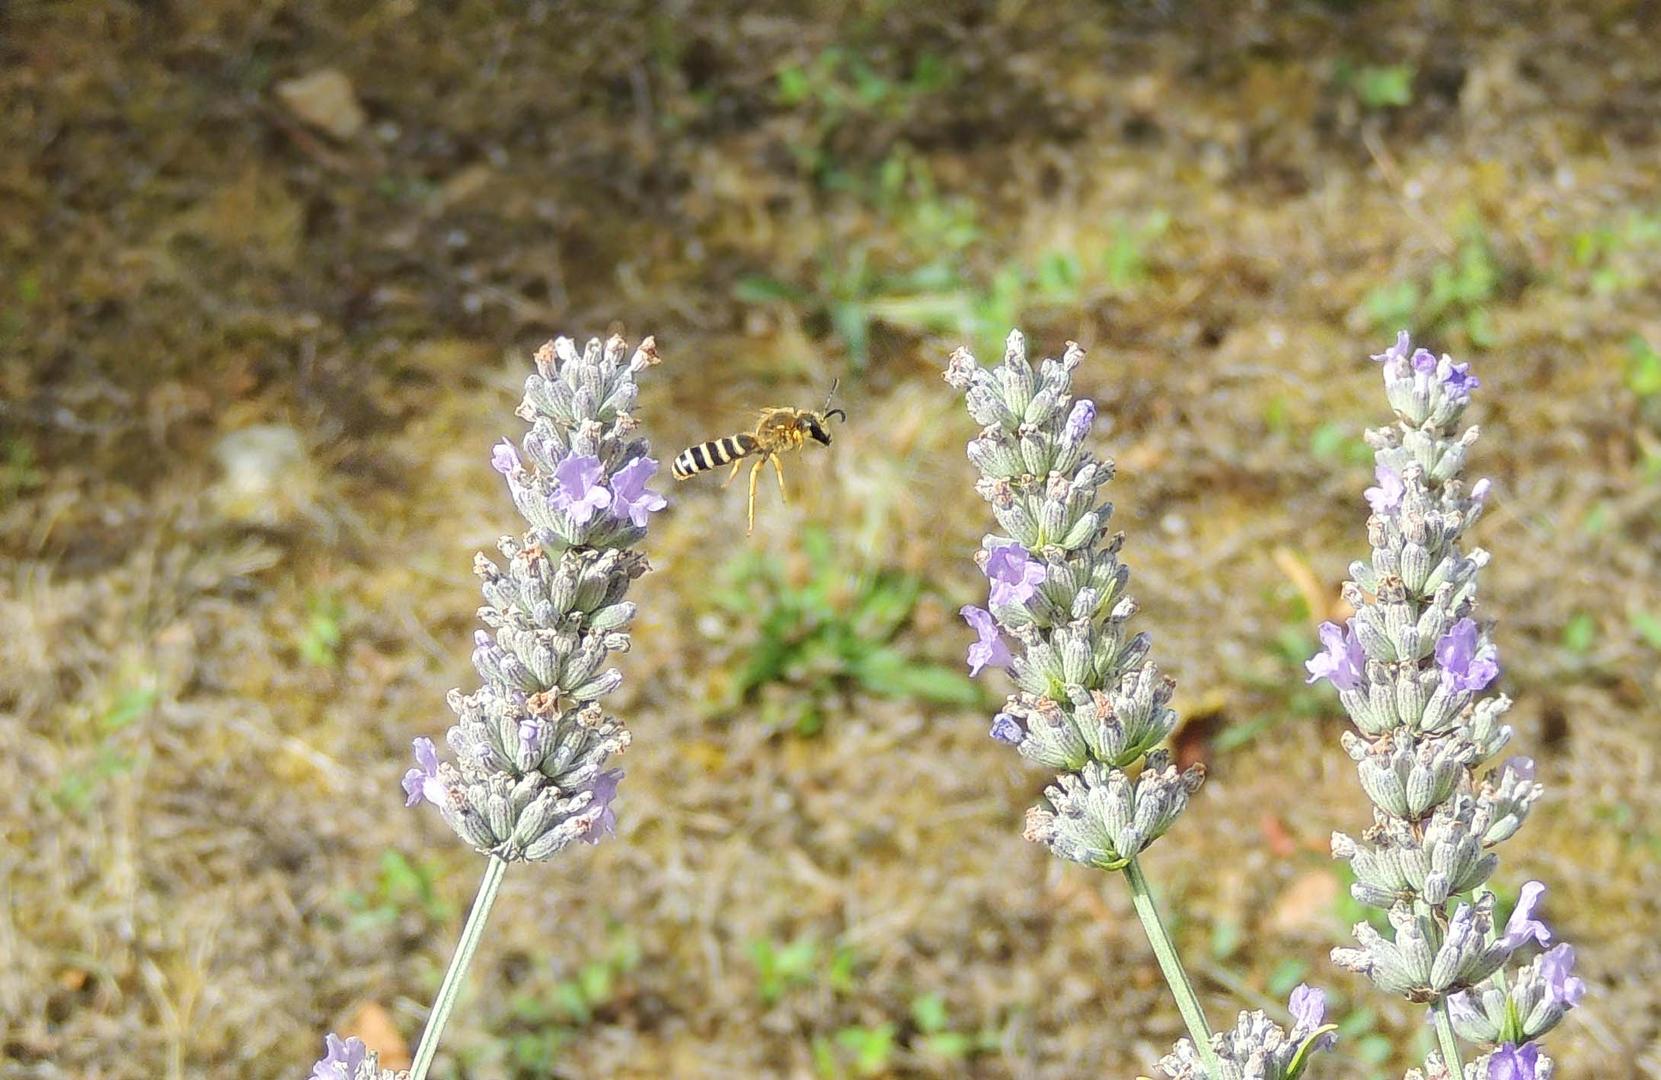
1188,1003
1445,1036
450,989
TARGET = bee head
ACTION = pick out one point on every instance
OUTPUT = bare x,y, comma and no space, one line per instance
816,425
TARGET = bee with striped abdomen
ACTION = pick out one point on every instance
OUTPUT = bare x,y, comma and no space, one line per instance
779,430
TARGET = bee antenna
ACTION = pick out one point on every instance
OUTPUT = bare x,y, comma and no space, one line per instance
834,384
836,412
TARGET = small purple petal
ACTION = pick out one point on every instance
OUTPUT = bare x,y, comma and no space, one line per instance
341,1058
504,458
1462,1008
1014,573
989,650
421,784
1342,660
1308,1008
1460,382
531,731
630,497
1079,420
1466,663
1480,489
1398,351
1520,767
1514,1062
1386,497
1007,730
1557,964
1424,361
605,792
580,489
1523,924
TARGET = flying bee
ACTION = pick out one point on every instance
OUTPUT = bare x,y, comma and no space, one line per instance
778,431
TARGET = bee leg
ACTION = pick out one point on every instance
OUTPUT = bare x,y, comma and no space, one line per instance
739,464
780,470
755,472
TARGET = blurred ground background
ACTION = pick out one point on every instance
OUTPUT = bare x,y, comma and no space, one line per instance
270,275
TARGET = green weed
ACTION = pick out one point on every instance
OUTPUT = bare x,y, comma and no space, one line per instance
19,473
542,1021
840,91
401,885
320,637
1648,627
1456,296
803,962
1612,255
1643,369
1387,86
79,787
835,631
866,1050
1579,633
937,1037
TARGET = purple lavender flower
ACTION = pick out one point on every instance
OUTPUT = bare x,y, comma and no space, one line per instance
504,458
1398,351
1523,924
340,1059
1015,574
1514,1062
1007,730
1424,361
422,784
1479,490
1386,497
1466,665
605,792
630,497
1079,420
581,490
1520,767
1562,987
1308,1008
1341,659
1460,382
990,650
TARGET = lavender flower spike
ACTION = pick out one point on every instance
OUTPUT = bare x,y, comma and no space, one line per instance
1411,669
531,744
1086,702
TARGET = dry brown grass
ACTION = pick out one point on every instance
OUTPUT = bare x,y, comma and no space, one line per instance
202,785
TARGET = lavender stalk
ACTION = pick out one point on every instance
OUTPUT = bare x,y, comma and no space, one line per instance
1088,703
1410,668
532,743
